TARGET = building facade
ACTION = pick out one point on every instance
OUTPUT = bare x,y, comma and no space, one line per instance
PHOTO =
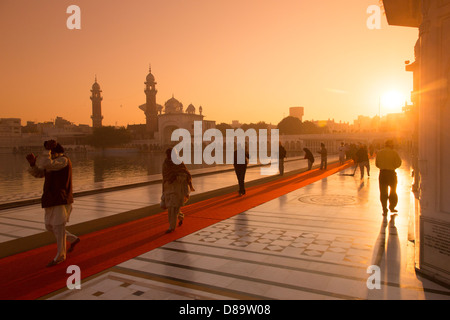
431,105
162,121
297,112
10,127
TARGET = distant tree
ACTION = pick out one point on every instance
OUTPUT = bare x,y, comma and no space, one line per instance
106,137
309,127
223,127
290,125
257,126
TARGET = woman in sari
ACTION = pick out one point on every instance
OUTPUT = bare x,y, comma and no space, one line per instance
177,185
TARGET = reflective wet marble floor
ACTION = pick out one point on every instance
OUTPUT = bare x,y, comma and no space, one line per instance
325,241
28,220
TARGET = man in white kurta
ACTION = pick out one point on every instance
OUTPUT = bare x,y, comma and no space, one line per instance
57,197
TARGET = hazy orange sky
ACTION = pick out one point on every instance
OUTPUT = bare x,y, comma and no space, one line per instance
246,60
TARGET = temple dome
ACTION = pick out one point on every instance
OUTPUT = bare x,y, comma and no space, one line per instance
190,109
150,78
95,86
173,106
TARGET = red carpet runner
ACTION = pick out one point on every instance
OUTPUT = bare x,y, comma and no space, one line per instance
24,275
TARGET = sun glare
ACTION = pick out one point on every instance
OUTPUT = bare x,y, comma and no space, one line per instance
392,101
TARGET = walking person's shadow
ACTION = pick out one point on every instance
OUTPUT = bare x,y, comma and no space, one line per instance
387,257
393,262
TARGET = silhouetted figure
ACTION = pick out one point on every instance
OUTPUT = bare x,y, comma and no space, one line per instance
57,198
352,151
177,185
240,163
371,150
281,157
347,152
310,157
323,157
362,159
352,154
342,150
387,161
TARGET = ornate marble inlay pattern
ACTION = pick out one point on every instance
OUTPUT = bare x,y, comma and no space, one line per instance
330,200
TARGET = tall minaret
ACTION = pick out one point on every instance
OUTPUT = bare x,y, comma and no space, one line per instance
151,110
96,105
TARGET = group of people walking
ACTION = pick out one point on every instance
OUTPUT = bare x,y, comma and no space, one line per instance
323,157
387,160
57,197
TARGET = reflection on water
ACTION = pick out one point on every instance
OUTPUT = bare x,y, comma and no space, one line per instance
88,168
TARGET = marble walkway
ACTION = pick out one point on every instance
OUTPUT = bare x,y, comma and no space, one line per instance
325,241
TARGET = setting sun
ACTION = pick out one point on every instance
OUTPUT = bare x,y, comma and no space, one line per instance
392,101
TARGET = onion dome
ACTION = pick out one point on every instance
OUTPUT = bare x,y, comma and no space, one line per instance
190,109
96,86
150,78
173,106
